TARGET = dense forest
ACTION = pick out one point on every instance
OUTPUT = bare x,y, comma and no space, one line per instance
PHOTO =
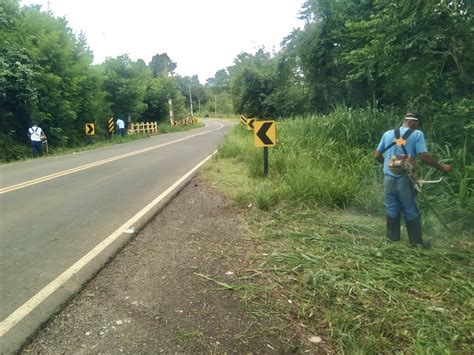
47,75
406,55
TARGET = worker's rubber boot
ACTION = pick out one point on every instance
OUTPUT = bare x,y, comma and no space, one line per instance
414,233
393,228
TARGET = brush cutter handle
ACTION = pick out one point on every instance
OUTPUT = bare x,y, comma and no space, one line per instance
422,182
418,183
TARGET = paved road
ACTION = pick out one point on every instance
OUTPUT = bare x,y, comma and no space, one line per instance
55,210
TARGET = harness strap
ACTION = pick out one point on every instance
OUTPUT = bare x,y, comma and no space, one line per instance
400,141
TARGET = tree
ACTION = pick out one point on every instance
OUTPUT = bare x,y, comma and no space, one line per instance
417,51
266,86
198,93
159,90
125,82
161,64
59,76
9,17
219,82
404,53
17,90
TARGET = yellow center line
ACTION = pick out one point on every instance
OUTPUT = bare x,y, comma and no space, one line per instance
24,310
97,163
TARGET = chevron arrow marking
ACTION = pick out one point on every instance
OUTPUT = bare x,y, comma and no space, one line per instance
90,131
264,133
250,122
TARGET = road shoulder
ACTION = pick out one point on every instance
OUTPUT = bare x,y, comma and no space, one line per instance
170,289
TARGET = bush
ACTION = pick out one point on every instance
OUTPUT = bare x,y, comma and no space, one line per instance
11,150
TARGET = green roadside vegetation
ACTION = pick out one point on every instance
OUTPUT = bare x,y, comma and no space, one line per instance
319,212
23,152
323,263
47,75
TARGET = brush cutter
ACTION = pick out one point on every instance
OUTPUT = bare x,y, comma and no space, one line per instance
417,185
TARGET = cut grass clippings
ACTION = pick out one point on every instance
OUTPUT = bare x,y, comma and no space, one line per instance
363,294
331,273
220,283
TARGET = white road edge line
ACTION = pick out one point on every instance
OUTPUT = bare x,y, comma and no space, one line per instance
97,163
43,294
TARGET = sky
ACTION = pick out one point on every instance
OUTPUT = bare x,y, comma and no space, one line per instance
201,36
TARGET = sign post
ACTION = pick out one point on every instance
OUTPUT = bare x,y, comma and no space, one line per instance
90,131
264,136
265,161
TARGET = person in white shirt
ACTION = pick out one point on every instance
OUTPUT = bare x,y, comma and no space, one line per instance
120,126
37,137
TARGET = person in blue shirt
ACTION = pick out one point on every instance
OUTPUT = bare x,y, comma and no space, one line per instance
120,126
398,155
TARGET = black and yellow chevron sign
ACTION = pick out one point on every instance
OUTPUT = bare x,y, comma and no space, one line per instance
111,125
264,133
90,129
250,122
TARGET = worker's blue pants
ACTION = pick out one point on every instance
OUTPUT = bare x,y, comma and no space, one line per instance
37,148
400,196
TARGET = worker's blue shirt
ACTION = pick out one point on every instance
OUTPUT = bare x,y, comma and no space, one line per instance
414,145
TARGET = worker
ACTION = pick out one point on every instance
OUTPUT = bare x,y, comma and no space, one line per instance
397,151
120,126
37,137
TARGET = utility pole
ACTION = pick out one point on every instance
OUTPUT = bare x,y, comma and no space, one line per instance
215,105
190,100
170,103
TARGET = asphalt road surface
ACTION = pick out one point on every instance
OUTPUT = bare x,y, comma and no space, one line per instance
61,218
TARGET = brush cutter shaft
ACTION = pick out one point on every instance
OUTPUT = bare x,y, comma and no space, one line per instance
417,184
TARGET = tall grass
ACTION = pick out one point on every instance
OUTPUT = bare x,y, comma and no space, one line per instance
328,161
325,266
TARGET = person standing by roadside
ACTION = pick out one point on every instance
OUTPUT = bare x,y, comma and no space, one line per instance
120,126
397,151
37,137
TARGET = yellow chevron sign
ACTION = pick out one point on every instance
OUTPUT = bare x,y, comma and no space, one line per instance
250,123
90,129
264,133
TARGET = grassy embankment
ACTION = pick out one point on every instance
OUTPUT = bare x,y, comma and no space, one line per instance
324,263
18,152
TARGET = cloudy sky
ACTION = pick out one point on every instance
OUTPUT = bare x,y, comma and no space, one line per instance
201,36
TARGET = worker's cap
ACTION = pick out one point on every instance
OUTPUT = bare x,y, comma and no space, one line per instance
413,116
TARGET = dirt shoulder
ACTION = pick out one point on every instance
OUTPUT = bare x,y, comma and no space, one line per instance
154,295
